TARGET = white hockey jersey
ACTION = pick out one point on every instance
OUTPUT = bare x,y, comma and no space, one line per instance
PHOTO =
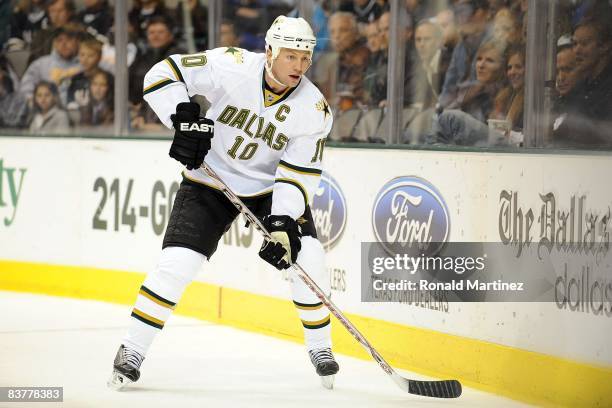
263,142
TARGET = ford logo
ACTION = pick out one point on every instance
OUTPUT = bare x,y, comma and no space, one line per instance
329,211
409,212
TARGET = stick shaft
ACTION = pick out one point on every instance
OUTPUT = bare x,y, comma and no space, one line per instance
301,273
440,389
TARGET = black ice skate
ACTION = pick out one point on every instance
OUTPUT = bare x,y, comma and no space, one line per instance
126,368
326,366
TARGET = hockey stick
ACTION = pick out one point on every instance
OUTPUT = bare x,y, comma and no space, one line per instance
437,389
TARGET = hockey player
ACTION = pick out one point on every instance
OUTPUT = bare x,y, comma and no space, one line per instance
270,124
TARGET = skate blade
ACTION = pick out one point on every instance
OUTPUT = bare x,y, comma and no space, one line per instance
328,381
117,381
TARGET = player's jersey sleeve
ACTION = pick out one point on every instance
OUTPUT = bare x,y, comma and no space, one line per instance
176,78
299,172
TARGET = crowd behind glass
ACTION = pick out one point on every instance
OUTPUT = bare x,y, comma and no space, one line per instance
464,66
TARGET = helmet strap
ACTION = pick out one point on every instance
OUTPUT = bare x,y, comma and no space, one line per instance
269,68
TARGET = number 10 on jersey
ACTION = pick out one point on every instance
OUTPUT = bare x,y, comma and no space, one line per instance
247,152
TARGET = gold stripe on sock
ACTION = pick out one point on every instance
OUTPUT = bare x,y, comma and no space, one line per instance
306,306
151,298
147,317
316,324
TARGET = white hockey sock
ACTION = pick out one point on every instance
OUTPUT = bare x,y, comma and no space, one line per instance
315,317
159,294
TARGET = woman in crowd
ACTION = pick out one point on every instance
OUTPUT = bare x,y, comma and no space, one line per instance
48,117
96,106
510,100
466,125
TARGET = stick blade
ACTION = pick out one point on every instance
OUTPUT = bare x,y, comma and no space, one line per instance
436,389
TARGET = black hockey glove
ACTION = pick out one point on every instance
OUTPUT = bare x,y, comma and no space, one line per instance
287,233
192,136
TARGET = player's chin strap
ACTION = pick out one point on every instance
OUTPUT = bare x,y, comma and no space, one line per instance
271,75
437,389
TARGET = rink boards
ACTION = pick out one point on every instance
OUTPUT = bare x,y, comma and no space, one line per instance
85,218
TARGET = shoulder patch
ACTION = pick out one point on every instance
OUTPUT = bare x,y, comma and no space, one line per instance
237,53
194,60
323,106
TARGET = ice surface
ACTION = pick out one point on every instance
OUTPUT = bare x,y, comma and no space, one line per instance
52,341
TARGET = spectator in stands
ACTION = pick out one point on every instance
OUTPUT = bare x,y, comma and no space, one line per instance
140,16
7,68
593,48
365,11
506,27
13,107
373,125
199,23
109,50
477,99
340,74
510,101
56,67
589,116
228,37
48,117
96,105
90,53
430,67
61,13
29,16
251,18
567,75
97,16
420,9
320,16
454,56
566,79
375,78
466,126
446,20
372,36
407,25
160,45
590,9
472,19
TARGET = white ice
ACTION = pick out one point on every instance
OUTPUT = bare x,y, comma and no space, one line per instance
52,341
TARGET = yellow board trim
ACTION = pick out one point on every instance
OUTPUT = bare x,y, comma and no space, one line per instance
523,375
